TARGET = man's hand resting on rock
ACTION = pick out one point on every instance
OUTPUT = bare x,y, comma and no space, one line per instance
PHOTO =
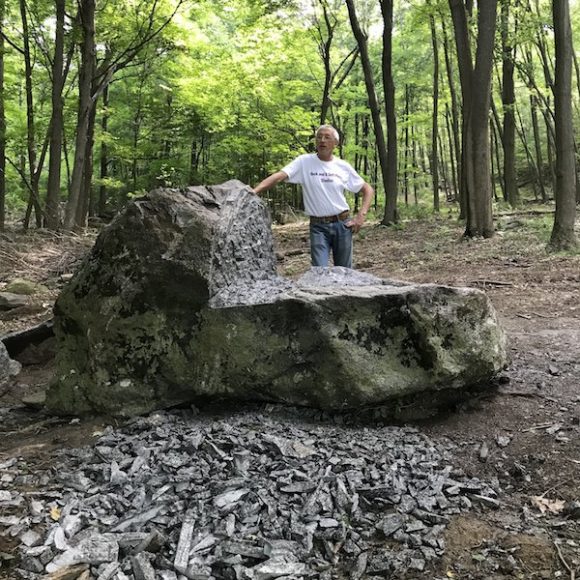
355,223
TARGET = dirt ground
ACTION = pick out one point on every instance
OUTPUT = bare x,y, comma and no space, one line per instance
524,434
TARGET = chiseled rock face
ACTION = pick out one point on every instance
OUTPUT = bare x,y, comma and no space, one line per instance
180,298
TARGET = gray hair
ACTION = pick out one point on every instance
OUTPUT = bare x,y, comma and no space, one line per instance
332,130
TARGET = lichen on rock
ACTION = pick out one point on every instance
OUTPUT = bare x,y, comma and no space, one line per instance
180,298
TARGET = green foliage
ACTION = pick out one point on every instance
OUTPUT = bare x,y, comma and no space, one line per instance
233,89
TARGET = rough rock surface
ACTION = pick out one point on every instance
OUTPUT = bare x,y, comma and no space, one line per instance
180,298
250,494
8,367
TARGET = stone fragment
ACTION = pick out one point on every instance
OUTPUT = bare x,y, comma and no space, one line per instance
359,567
68,573
31,538
91,548
486,501
503,440
484,451
142,568
181,560
9,300
226,500
244,549
8,367
390,524
108,571
276,569
299,487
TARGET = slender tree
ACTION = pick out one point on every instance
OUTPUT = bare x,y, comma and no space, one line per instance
455,124
563,237
476,91
325,29
34,168
361,39
56,122
2,124
390,172
86,73
435,127
508,100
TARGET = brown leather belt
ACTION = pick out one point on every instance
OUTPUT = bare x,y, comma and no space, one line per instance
329,219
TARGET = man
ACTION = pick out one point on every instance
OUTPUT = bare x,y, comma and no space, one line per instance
324,178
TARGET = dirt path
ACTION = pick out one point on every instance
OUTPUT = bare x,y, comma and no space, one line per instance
530,426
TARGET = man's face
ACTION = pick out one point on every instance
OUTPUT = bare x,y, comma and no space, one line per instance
325,142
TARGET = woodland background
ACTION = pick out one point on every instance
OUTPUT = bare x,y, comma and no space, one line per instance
439,103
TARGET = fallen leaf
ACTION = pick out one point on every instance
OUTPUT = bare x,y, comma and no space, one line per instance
554,506
55,513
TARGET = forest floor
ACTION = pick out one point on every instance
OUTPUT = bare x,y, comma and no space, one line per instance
530,425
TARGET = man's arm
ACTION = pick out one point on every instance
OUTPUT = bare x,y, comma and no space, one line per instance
270,182
367,192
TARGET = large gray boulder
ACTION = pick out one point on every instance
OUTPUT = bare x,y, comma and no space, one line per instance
179,298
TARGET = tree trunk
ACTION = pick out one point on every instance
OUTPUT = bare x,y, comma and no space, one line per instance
375,110
324,49
30,134
2,126
414,163
390,216
508,99
56,123
531,163
86,72
452,156
550,147
563,237
443,170
538,147
476,91
406,146
457,177
435,125
86,203
496,171
104,157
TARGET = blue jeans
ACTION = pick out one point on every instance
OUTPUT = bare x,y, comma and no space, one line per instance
334,236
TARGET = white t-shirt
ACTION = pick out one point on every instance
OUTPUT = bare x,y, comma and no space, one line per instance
323,183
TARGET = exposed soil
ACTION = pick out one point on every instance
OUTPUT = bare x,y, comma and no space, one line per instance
530,424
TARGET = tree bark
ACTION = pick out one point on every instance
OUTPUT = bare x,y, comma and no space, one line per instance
86,203
508,99
104,156
390,211
86,73
56,123
391,186
538,147
30,124
563,237
476,91
452,156
435,124
406,145
324,46
454,122
2,126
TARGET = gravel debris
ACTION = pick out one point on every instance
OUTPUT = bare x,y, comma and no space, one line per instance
245,495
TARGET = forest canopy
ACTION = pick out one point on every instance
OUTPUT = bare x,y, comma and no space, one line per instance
103,100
